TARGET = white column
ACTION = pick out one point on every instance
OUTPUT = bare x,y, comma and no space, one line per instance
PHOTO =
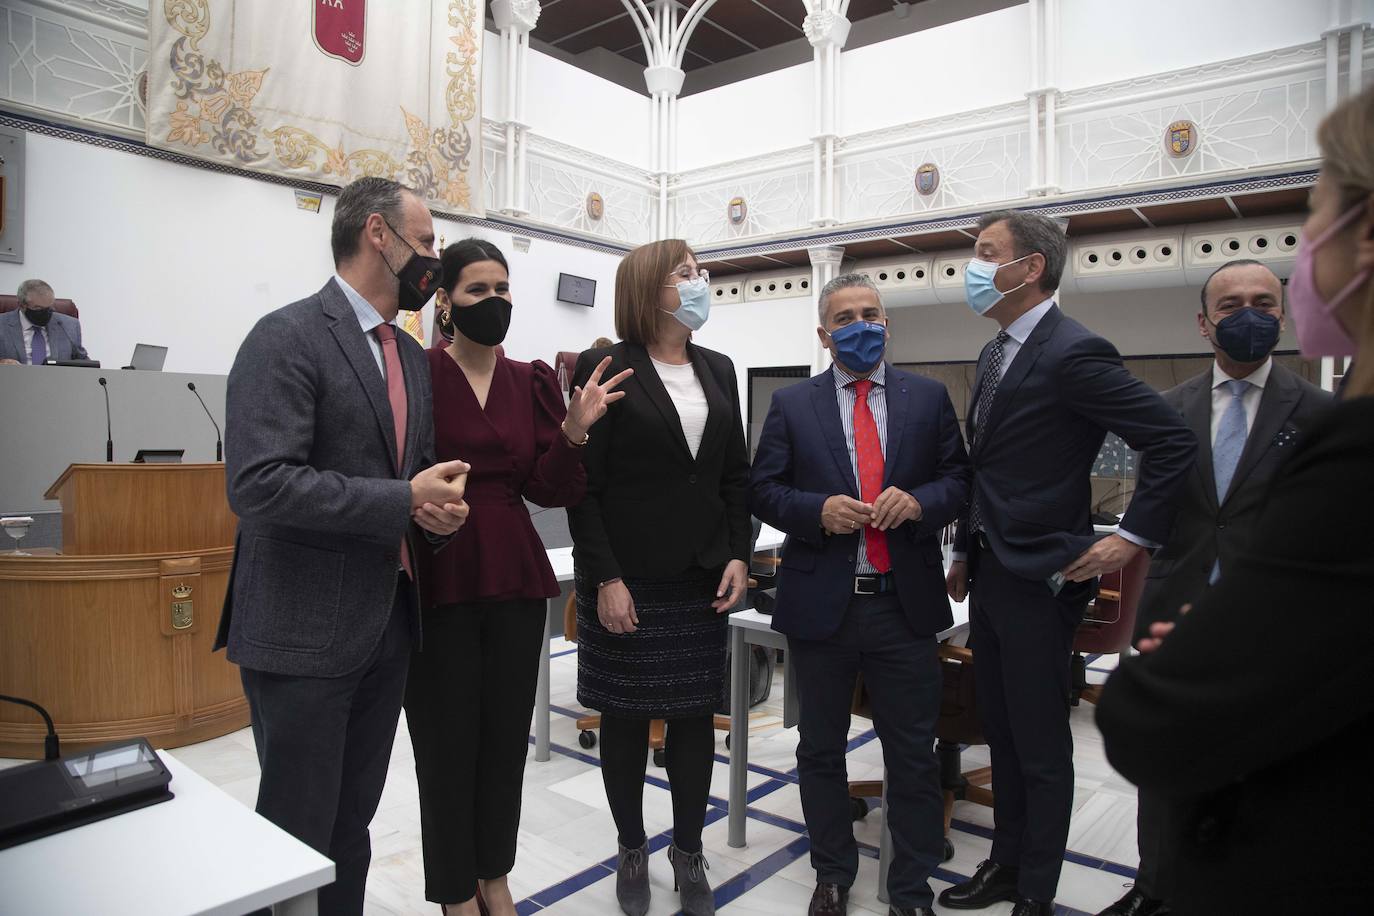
825,266
665,85
827,29
514,21
1356,73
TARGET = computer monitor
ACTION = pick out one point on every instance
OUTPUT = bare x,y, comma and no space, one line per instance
148,357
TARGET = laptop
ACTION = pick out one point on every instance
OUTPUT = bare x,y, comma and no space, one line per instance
148,357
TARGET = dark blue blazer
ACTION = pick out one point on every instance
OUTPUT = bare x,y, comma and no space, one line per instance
803,459
1033,457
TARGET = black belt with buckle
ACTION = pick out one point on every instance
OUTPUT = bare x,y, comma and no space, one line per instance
881,584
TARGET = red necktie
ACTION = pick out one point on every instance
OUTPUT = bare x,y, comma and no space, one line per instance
870,451
396,393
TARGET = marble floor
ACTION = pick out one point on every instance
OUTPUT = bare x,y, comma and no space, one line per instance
567,838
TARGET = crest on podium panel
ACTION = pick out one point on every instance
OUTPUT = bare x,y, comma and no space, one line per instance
927,178
1180,139
340,28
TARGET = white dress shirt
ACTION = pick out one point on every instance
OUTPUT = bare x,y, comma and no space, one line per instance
29,328
1221,395
684,388
368,318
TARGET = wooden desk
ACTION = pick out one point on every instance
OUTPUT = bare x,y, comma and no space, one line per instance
113,636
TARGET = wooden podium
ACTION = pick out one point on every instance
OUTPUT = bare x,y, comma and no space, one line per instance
113,636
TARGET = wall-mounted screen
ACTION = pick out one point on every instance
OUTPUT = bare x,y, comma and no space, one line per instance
576,290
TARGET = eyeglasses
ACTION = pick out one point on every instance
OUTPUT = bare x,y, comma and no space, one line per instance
686,274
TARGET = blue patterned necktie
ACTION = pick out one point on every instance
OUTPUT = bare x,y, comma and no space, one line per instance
40,347
992,378
1231,433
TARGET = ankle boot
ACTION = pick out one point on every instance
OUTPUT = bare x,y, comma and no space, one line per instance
689,879
632,880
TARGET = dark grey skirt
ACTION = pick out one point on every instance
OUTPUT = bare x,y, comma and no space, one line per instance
672,666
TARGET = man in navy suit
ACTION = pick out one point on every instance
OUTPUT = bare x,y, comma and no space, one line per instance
34,332
862,466
1047,392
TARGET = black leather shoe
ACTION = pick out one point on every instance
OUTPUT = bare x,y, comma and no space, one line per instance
992,883
829,900
1028,907
1136,904
910,911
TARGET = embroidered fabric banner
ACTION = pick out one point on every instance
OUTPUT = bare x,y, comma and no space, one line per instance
324,90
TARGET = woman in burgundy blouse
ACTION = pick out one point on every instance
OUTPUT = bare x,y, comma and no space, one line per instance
470,693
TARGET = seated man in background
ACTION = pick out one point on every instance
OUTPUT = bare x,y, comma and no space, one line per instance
34,332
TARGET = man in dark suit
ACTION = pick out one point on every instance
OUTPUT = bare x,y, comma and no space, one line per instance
329,442
1246,411
34,332
1047,392
862,466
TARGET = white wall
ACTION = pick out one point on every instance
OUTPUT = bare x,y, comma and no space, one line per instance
961,66
1102,41
573,106
159,253
761,334
755,116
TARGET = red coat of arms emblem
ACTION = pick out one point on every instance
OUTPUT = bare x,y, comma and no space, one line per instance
339,28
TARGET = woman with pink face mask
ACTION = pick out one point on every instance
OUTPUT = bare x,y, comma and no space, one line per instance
1254,712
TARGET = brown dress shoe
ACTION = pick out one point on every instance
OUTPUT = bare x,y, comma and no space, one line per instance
829,900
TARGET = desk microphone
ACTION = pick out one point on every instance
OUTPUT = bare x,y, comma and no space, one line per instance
109,437
219,439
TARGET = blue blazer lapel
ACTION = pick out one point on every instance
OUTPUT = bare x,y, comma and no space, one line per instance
898,404
350,337
827,407
1018,370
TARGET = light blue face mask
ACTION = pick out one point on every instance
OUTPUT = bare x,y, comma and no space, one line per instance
980,290
695,298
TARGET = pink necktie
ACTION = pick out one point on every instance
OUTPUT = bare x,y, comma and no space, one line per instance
396,393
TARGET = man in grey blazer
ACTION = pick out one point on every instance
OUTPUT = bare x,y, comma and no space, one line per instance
1246,411
329,456
34,332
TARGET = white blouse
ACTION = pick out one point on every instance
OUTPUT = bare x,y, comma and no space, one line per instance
688,397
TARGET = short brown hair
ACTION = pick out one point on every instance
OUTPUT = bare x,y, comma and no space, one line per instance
638,280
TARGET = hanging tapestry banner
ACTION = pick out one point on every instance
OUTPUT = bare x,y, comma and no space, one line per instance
324,90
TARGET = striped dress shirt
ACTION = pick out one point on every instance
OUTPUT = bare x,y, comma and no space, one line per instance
877,403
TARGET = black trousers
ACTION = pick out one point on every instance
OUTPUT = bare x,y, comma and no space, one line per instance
324,745
1155,838
902,675
1022,640
468,705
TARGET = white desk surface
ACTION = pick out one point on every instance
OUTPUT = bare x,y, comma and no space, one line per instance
200,853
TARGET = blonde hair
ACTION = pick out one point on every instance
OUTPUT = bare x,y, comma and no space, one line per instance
1346,138
638,282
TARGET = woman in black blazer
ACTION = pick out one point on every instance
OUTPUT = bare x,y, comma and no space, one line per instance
1254,712
660,546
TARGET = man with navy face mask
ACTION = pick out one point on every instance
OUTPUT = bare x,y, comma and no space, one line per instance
862,466
1047,392
1246,411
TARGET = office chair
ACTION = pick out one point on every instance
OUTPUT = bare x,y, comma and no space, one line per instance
1108,624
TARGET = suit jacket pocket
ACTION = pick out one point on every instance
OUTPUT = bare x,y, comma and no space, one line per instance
798,555
293,602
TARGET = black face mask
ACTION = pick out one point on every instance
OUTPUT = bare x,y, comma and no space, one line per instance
38,317
485,322
420,276
1247,335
